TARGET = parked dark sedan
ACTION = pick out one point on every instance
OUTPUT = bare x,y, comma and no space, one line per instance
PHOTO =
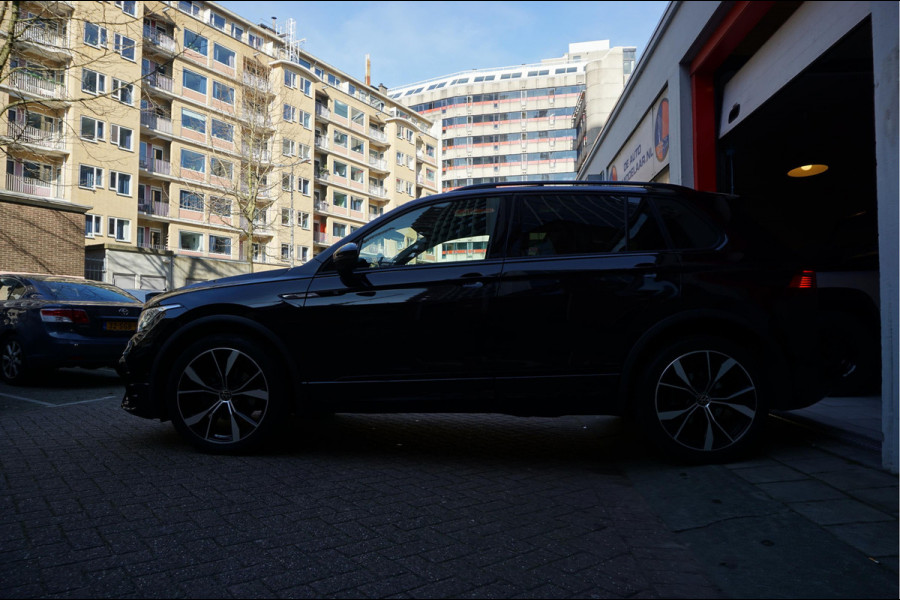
53,321
526,299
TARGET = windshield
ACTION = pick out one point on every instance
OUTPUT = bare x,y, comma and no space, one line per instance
86,291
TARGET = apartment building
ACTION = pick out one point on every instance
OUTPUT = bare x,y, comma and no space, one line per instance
518,123
193,144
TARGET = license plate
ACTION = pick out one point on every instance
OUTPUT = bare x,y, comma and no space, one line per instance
121,325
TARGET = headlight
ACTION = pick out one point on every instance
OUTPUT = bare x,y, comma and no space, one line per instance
151,316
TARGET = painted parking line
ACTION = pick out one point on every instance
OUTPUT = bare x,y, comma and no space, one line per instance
51,405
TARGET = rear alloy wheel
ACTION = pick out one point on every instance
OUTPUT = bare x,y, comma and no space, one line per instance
13,368
703,400
226,396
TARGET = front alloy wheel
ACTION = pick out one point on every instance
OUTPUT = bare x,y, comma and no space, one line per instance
225,397
703,401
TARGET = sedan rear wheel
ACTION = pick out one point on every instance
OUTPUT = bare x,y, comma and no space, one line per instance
703,400
13,367
226,395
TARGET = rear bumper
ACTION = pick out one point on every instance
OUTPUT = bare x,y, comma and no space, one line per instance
76,351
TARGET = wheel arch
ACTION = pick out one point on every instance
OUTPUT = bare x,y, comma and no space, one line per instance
196,328
720,324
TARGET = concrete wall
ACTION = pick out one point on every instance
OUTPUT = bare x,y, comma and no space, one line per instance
885,57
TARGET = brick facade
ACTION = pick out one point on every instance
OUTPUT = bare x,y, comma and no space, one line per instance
37,239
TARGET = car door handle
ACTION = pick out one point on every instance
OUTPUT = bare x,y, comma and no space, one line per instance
473,285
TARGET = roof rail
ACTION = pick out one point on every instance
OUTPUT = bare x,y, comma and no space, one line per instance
619,184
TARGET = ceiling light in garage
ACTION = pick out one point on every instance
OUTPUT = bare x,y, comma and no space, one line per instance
807,170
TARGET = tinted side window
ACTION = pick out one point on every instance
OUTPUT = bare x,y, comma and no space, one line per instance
686,228
453,231
554,224
644,234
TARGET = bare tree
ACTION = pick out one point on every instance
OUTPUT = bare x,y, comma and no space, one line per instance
247,176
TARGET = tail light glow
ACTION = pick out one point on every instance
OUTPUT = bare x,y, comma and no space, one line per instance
64,315
805,280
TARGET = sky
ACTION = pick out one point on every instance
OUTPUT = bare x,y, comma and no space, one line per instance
408,42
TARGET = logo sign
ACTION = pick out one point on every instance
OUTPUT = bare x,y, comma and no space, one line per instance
647,151
123,312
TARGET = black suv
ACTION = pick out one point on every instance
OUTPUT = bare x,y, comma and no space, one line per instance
552,298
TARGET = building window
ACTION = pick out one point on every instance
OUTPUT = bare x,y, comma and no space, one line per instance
356,203
340,199
222,130
123,92
254,40
339,169
340,139
305,119
290,112
120,182
120,229
90,177
196,42
221,168
190,241
285,252
220,206
223,93
287,147
93,225
94,35
303,186
190,7
339,230
191,201
223,55
193,120
121,136
290,79
125,46
305,86
341,109
193,161
303,253
357,145
92,129
236,32
219,245
303,220
93,82
217,21
129,7
193,81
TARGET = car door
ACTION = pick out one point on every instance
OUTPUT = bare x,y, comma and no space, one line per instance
586,274
412,320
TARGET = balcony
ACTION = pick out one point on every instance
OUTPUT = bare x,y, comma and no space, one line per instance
155,122
25,134
262,155
20,184
377,135
321,142
160,41
321,237
37,86
158,81
323,112
378,164
48,38
256,82
154,207
377,191
155,165
257,119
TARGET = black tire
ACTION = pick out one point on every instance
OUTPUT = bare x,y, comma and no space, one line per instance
703,400
852,350
14,367
226,395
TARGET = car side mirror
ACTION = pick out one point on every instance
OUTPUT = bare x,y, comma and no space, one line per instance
346,258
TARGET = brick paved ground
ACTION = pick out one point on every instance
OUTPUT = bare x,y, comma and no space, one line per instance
97,503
